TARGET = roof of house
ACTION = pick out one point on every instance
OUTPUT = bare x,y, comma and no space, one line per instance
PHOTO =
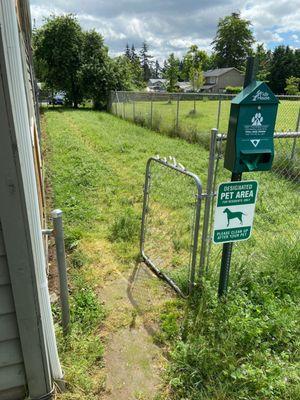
205,87
184,85
218,71
158,80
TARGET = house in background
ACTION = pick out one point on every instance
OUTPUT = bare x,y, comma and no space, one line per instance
157,85
216,80
184,87
29,361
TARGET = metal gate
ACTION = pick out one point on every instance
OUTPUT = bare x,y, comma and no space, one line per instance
170,222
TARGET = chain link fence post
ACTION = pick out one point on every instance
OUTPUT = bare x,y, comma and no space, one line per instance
133,109
151,110
295,139
177,114
219,112
62,269
208,199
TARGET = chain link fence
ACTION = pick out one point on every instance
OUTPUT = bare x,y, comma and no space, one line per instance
278,204
170,222
192,115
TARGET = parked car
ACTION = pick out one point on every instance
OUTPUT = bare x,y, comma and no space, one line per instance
58,99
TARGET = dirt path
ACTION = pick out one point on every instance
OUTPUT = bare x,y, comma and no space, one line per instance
133,362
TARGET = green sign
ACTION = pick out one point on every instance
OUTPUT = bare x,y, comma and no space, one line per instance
234,211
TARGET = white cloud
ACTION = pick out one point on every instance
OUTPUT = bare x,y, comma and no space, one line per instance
173,25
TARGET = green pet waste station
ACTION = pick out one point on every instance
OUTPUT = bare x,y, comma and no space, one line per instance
252,119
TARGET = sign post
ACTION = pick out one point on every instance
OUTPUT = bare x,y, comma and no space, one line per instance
227,247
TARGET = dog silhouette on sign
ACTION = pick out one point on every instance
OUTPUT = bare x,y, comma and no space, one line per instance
232,215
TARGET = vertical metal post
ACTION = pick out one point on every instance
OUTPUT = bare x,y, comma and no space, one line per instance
177,113
250,75
133,110
124,115
62,269
208,199
295,139
219,112
151,111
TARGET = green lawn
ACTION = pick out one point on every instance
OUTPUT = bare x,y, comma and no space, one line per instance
206,117
247,348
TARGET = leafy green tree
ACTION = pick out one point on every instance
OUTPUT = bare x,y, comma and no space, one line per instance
121,75
233,41
196,78
292,85
193,60
146,62
57,55
281,68
172,72
95,70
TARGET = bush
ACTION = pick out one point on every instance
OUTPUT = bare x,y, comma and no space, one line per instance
233,89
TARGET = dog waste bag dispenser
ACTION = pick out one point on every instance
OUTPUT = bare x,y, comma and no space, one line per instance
250,144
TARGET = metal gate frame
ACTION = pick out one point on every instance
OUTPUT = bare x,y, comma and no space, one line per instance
180,169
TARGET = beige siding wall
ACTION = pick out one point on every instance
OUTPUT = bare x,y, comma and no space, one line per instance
231,78
12,376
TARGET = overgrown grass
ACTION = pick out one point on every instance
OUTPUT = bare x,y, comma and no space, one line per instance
245,348
248,346
200,122
81,351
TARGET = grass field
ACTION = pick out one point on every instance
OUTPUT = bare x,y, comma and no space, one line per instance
206,117
245,348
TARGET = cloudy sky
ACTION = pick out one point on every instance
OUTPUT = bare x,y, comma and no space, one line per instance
173,25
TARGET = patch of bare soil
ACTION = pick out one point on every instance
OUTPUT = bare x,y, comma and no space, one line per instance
133,362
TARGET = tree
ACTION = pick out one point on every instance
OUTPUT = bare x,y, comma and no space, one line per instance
157,70
145,58
264,62
95,69
77,62
128,52
233,41
281,68
172,72
137,71
292,85
193,60
57,54
196,78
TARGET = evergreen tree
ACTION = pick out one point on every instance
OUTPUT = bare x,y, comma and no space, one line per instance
281,68
127,52
264,62
145,58
157,69
137,71
233,41
133,54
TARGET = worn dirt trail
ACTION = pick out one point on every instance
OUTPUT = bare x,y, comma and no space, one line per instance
133,362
